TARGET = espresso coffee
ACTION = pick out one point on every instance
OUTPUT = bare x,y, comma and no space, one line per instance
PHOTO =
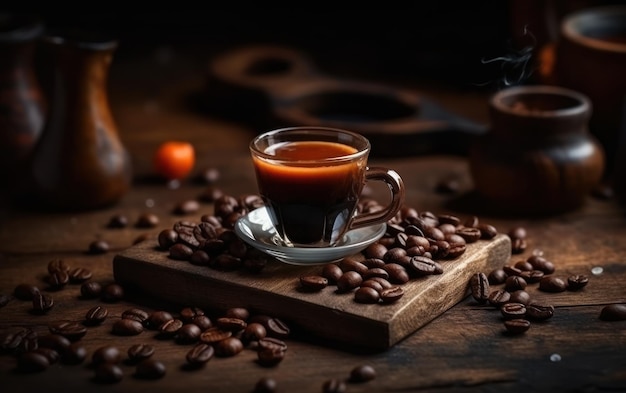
307,199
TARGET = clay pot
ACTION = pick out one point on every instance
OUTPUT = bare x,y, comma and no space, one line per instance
591,59
538,156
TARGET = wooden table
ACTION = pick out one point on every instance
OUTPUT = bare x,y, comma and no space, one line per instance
465,349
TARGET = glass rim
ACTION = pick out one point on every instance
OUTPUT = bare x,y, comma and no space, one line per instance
312,131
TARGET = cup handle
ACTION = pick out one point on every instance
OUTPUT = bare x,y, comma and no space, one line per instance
396,189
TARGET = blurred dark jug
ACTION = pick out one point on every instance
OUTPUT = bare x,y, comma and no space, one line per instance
22,102
79,162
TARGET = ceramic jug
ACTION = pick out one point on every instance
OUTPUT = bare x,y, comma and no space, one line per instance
80,161
22,102
538,156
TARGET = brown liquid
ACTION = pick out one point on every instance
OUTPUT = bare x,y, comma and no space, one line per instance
310,203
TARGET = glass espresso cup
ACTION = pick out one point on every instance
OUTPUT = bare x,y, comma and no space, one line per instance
311,179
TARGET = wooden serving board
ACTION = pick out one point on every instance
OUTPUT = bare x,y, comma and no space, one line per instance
326,314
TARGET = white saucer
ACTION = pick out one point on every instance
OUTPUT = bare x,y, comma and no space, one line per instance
256,229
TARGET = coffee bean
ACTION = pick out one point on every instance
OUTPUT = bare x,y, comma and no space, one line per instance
108,373
188,334
112,293
42,303
91,290
375,250
517,233
613,312
497,276
55,341
25,291
170,327
228,347
265,385
333,385
253,332
271,342
349,264
19,340
150,369
200,258
208,176
331,272
552,284
71,330
137,314
79,275
487,231
539,312
511,270
238,313
157,318
187,314
186,207
147,220
277,328
270,357
231,324
200,354
514,283
313,282
96,315
214,334
499,297
118,221
58,279
470,234
576,282
513,310
139,352
532,276
363,373
32,362
517,325
479,286
391,295
518,245
98,247
202,321
74,354
398,274
524,266
423,266
50,354
520,296
106,354
127,327
349,281
541,263
58,265
372,284
180,252
366,295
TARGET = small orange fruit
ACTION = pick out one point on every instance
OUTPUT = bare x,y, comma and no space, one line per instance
174,160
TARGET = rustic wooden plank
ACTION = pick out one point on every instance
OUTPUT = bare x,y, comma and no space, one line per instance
326,313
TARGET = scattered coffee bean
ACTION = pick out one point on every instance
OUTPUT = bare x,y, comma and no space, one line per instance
202,321
499,297
363,373
518,246
513,310
19,340
158,318
112,293
391,295
186,207
515,283
108,373
150,369
32,362
576,282
532,276
50,354
58,265
497,276
127,327
313,282
137,314
106,354
74,354
91,290
228,347
253,332
55,341
231,324
613,312
98,247
58,279
139,352
200,354
265,385
539,312
334,385
517,325
147,220
479,286
170,327
188,334
71,330
520,296
118,221
5,299
366,295
552,284
25,291
42,303
79,275
95,315
270,356
181,252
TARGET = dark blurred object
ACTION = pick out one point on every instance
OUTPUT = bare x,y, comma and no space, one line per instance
22,103
538,156
275,86
79,162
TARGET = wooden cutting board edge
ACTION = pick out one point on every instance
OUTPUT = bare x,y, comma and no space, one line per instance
326,314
